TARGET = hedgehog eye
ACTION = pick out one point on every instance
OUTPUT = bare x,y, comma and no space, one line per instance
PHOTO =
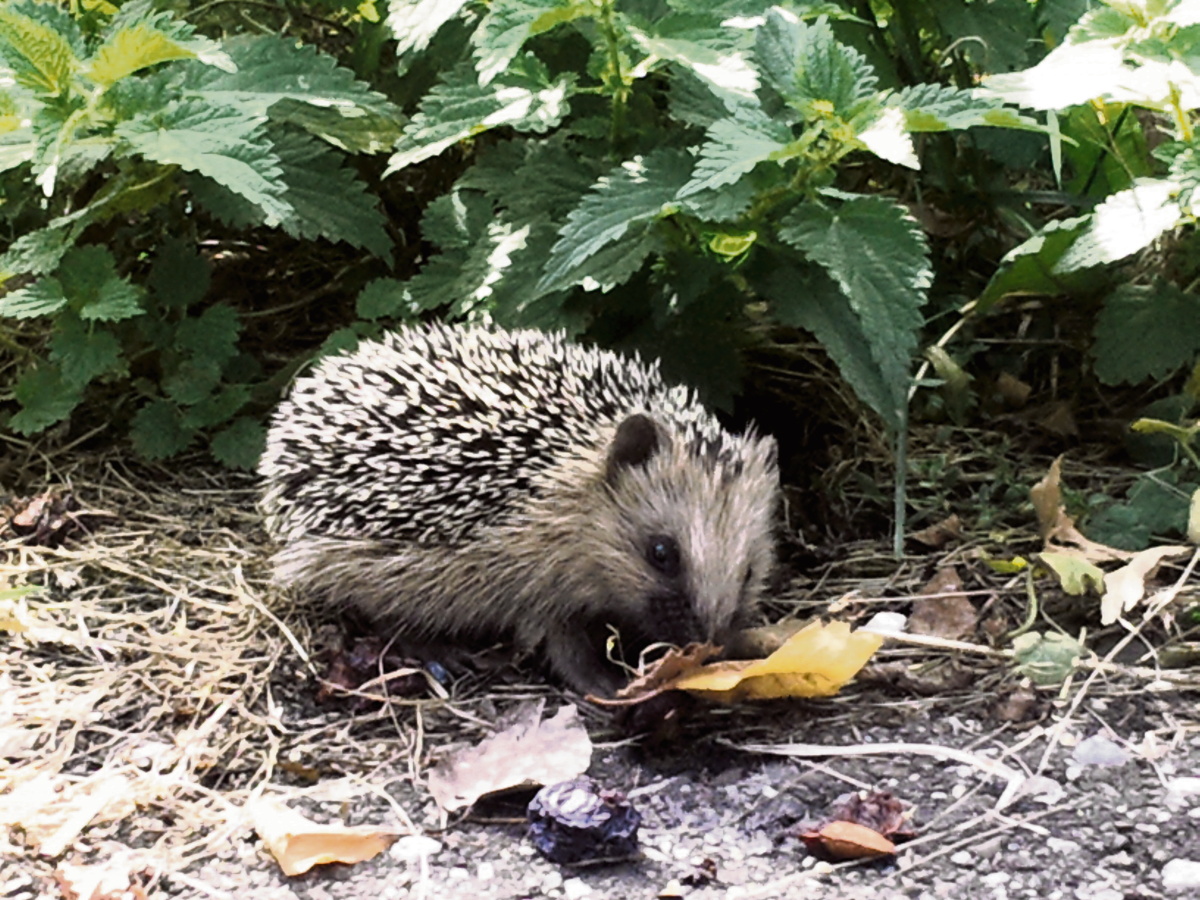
663,553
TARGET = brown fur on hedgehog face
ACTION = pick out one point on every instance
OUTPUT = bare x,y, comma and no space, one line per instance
660,540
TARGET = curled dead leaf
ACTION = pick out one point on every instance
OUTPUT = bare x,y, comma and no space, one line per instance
298,843
1124,588
848,840
1057,528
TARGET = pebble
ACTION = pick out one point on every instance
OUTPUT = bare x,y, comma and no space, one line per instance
1181,874
574,888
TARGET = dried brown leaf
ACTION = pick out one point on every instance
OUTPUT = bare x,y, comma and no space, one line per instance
951,616
298,843
527,753
1057,528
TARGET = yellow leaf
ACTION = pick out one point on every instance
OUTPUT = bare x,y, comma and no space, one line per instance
298,843
815,662
131,49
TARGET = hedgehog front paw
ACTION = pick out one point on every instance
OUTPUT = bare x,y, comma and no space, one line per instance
573,658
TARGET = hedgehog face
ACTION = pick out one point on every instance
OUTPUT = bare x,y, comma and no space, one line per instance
689,530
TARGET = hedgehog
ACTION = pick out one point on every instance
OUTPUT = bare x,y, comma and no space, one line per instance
465,484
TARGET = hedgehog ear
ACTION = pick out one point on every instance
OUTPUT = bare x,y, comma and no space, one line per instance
635,443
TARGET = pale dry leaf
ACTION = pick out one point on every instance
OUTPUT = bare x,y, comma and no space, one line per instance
1193,526
119,877
1057,528
951,615
939,534
298,843
1125,588
527,753
53,810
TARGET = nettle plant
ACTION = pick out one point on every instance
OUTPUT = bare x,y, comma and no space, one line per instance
668,172
115,125
1118,58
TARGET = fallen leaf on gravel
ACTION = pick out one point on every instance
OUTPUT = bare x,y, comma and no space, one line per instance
1046,658
117,878
298,843
660,675
951,615
527,753
1057,528
52,810
1125,587
880,811
815,662
1076,575
845,840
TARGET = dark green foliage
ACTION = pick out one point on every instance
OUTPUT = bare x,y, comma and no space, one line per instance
121,125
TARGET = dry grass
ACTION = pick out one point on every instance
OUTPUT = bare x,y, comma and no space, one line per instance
154,684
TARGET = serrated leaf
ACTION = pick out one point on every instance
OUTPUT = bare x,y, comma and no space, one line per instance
457,219
413,23
810,299
807,65
888,139
1031,267
157,430
1126,222
1146,332
640,190
218,407
993,36
45,399
300,84
42,298
938,107
41,58
179,276
193,381
140,46
510,23
212,335
241,444
736,145
503,172
222,143
83,353
465,280
326,197
384,298
94,289
707,52
877,255
460,107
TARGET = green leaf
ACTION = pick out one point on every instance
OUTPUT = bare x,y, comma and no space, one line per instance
82,353
1077,575
877,255
704,48
222,143
37,252
41,58
385,298
45,398
1146,332
510,23
327,198
42,298
504,172
212,335
457,219
180,276
414,22
807,65
157,430
94,289
460,107
218,407
297,83
1126,222
1046,659
140,46
193,380
938,107
1031,267
735,146
808,298
640,190
241,444
993,36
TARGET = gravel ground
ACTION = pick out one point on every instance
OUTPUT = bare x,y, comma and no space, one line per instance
1113,831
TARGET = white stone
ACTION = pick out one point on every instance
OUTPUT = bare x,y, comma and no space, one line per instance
1181,873
574,888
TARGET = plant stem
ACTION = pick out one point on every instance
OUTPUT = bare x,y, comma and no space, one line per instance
616,77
